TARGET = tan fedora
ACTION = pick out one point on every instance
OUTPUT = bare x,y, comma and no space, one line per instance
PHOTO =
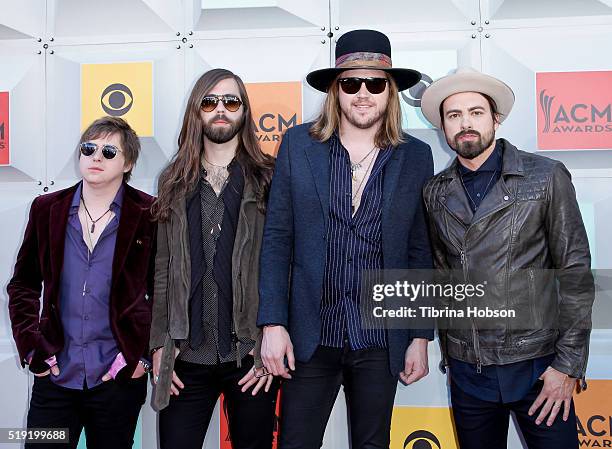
465,79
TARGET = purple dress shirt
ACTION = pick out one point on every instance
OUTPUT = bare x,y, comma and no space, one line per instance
85,284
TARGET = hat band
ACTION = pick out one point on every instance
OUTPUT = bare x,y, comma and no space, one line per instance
363,58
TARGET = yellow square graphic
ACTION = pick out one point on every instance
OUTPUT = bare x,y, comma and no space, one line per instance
122,90
422,427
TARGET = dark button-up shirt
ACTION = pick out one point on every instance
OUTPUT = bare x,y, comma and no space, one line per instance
479,182
495,383
354,244
85,284
212,209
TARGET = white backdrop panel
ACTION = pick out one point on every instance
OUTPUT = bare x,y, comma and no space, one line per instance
26,21
299,55
224,18
434,54
23,78
402,16
64,99
108,21
516,57
545,13
14,388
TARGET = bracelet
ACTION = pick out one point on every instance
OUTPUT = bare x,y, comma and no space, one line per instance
145,365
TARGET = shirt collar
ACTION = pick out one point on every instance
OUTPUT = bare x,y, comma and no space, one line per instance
115,205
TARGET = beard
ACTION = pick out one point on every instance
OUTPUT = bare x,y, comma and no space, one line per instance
363,122
470,149
222,134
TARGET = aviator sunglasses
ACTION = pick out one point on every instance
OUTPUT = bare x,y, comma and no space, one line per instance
352,85
89,148
230,102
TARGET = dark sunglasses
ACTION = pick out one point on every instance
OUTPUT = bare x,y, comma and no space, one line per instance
89,148
352,85
230,102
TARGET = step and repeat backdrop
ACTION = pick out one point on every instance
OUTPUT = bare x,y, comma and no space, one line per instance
64,63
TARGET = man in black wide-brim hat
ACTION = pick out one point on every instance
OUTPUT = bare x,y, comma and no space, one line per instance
345,197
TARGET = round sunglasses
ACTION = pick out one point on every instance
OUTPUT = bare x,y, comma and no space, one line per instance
230,102
90,148
352,85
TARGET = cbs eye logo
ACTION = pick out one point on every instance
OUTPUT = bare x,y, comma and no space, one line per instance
416,91
422,439
117,100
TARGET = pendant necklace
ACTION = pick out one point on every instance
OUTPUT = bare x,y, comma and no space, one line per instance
357,165
93,222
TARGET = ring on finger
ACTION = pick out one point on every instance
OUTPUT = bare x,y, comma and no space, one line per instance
264,372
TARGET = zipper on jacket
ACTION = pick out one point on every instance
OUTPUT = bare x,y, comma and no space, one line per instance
474,329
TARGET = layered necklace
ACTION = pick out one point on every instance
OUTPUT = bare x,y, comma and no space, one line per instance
357,188
357,165
216,175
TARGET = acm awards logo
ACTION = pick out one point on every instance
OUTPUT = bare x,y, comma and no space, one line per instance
271,126
276,107
4,128
594,414
574,110
574,118
422,439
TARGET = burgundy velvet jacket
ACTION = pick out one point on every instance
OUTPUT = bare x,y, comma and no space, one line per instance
39,263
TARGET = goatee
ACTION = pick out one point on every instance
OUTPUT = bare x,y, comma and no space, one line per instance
470,149
222,134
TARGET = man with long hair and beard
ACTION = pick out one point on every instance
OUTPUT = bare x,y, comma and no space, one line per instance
345,198
210,207
510,218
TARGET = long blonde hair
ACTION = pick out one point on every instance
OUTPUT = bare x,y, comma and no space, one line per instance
328,121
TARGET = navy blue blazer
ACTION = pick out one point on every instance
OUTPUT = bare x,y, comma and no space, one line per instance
294,244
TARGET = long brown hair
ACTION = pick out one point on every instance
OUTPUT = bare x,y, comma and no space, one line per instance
328,121
182,174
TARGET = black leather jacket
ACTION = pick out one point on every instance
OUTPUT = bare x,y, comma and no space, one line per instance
529,222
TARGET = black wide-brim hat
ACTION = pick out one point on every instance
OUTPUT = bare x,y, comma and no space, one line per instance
363,49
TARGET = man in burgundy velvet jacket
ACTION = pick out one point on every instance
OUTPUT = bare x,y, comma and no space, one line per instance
91,247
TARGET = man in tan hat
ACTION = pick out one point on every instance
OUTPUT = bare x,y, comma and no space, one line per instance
345,197
513,217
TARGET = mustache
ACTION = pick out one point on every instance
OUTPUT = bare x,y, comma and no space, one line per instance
468,132
220,117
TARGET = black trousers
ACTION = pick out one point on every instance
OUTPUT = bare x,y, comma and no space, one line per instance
183,423
309,396
481,424
108,412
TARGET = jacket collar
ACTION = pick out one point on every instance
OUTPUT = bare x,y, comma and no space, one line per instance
131,211
455,199
318,158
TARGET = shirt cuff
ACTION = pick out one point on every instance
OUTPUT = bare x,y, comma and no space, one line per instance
118,364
